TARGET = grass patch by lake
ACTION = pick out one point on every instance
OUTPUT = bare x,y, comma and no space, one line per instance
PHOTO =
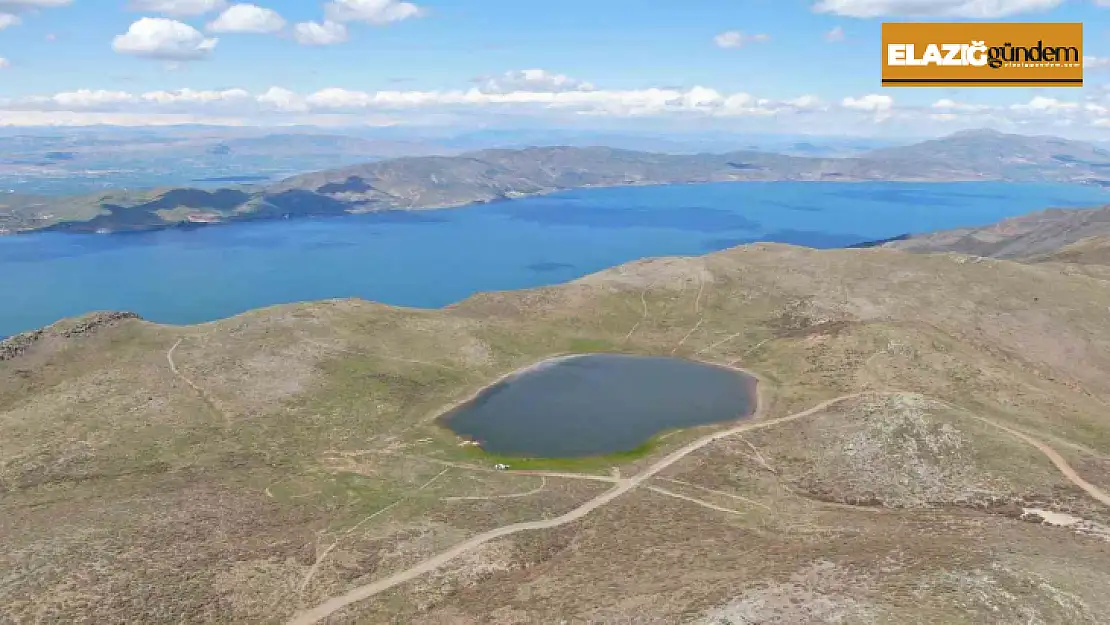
591,346
583,464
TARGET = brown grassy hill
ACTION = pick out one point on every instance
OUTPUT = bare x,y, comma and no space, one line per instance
1020,237
1088,251
1089,256
254,468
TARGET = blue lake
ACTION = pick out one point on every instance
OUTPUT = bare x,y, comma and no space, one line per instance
599,404
434,258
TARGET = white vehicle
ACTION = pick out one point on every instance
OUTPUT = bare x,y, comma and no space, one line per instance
501,467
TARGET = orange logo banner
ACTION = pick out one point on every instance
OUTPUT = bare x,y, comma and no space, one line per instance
976,54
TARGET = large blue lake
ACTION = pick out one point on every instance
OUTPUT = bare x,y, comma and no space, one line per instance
434,258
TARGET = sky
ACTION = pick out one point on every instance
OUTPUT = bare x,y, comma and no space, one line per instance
797,66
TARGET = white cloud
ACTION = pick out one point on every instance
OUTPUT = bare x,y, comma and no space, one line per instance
933,8
247,18
621,103
337,98
1041,104
591,101
85,98
282,99
952,107
317,34
737,39
806,102
8,20
835,35
548,97
1096,109
1096,62
189,96
80,99
880,106
5,63
872,103
747,105
178,8
371,11
532,80
173,101
10,118
739,102
166,39
702,98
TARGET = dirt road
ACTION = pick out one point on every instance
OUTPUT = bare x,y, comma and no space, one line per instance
1057,460
211,403
622,486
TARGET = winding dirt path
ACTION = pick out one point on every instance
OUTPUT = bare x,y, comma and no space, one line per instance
470,467
721,493
694,500
688,335
701,289
535,491
324,556
211,403
1061,464
173,368
718,343
643,317
621,487
1056,458
624,485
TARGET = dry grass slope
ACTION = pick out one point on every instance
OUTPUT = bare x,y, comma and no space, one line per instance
249,469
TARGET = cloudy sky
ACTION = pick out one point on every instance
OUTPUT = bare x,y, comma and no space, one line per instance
744,65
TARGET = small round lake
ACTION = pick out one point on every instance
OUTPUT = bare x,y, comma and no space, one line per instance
599,404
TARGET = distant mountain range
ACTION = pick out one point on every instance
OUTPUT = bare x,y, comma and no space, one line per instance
429,182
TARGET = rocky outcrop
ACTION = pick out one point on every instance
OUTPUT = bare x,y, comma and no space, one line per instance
15,346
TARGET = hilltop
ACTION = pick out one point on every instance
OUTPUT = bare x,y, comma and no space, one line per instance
1094,250
430,182
1026,236
932,446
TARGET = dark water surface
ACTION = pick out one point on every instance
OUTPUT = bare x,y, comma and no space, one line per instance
434,258
600,404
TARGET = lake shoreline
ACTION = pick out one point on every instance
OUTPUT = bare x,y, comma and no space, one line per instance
76,227
434,259
750,383
441,415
